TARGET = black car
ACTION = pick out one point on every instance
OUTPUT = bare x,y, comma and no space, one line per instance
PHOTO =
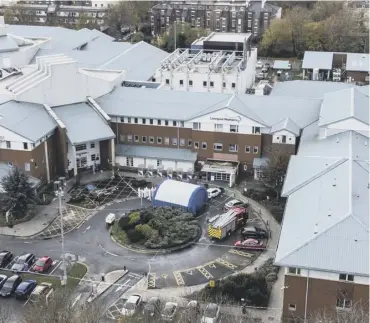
24,262
5,258
10,285
3,279
153,307
254,232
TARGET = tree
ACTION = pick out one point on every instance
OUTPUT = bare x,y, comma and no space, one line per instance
84,21
16,14
277,39
273,173
137,37
315,36
18,193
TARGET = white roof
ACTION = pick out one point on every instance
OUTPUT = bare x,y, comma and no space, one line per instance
358,62
228,37
175,192
281,65
320,60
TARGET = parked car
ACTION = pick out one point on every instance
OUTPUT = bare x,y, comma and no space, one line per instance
5,258
25,289
265,69
254,232
213,192
169,312
24,262
211,314
261,76
131,306
153,307
10,285
235,203
268,65
3,279
109,220
250,244
43,264
278,73
259,64
42,293
192,311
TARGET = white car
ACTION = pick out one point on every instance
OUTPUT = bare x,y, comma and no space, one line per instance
111,217
211,314
131,306
213,192
233,203
169,311
259,64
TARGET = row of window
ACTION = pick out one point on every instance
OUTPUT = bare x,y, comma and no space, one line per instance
84,146
233,148
341,303
342,277
159,122
205,83
25,145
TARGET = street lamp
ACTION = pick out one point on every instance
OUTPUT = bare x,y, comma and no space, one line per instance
59,193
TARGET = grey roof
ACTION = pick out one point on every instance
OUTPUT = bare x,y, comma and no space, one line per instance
309,89
83,123
281,65
330,198
320,60
75,40
344,104
288,125
140,61
260,162
29,120
7,44
358,62
5,169
156,152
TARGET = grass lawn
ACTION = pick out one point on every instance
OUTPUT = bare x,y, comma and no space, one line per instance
119,235
75,273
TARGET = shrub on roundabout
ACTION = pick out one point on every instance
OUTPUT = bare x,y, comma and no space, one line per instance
159,228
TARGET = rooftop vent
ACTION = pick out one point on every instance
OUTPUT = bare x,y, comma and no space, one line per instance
335,182
329,213
337,140
316,229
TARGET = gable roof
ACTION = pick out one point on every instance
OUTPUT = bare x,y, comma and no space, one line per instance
288,125
320,60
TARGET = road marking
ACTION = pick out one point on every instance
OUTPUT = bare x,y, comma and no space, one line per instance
151,280
204,272
226,264
189,272
88,228
107,252
118,288
164,276
27,241
178,278
212,265
55,266
240,253
133,275
76,300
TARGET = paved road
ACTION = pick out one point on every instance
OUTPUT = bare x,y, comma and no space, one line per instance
91,244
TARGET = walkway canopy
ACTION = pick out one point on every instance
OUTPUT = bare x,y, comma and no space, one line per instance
180,194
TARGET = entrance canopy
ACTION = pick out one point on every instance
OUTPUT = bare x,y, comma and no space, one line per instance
221,170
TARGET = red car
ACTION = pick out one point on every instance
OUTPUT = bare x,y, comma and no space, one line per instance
250,244
43,264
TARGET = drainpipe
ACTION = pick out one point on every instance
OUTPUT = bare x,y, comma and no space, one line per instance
47,161
306,300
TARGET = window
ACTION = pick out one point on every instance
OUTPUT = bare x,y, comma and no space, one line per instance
166,122
80,147
218,127
159,163
233,85
346,277
143,139
93,157
144,121
166,140
36,166
204,83
233,148
122,138
136,138
174,123
196,125
182,124
211,84
8,145
343,303
224,85
167,81
196,144
158,122
92,145
234,128
181,82
255,150
294,270
291,307
247,149
190,82
129,138
190,142
159,140
151,121
122,119
256,130
136,120
283,139
204,145
174,141
25,145
182,142
217,147
128,120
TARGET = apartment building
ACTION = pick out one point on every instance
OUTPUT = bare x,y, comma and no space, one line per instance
220,16
55,12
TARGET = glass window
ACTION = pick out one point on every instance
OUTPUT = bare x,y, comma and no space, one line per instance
136,120
196,144
294,271
181,82
159,122
167,81
190,83
233,148
255,150
190,142
174,141
8,145
136,138
196,125
80,147
211,84
247,149
204,83
233,85
25,145
166,140
256,130
143,139
128,120
217,147
122,119
224,85
144,121
166,122
204,145
151,121
92,145
218,127
129,138
174,123
234,128
182,142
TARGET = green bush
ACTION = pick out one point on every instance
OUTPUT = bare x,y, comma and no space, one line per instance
134,235
124,223
134,217
145,229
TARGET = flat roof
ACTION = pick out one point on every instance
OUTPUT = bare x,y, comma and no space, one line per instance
320,60
228,37
162,153
358,62
220,166
282,65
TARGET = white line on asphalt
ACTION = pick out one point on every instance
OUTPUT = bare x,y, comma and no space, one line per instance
106,251
88,228
55,267
27,242
76,300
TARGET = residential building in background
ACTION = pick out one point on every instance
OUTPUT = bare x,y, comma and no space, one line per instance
221,16
55,12
219,63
